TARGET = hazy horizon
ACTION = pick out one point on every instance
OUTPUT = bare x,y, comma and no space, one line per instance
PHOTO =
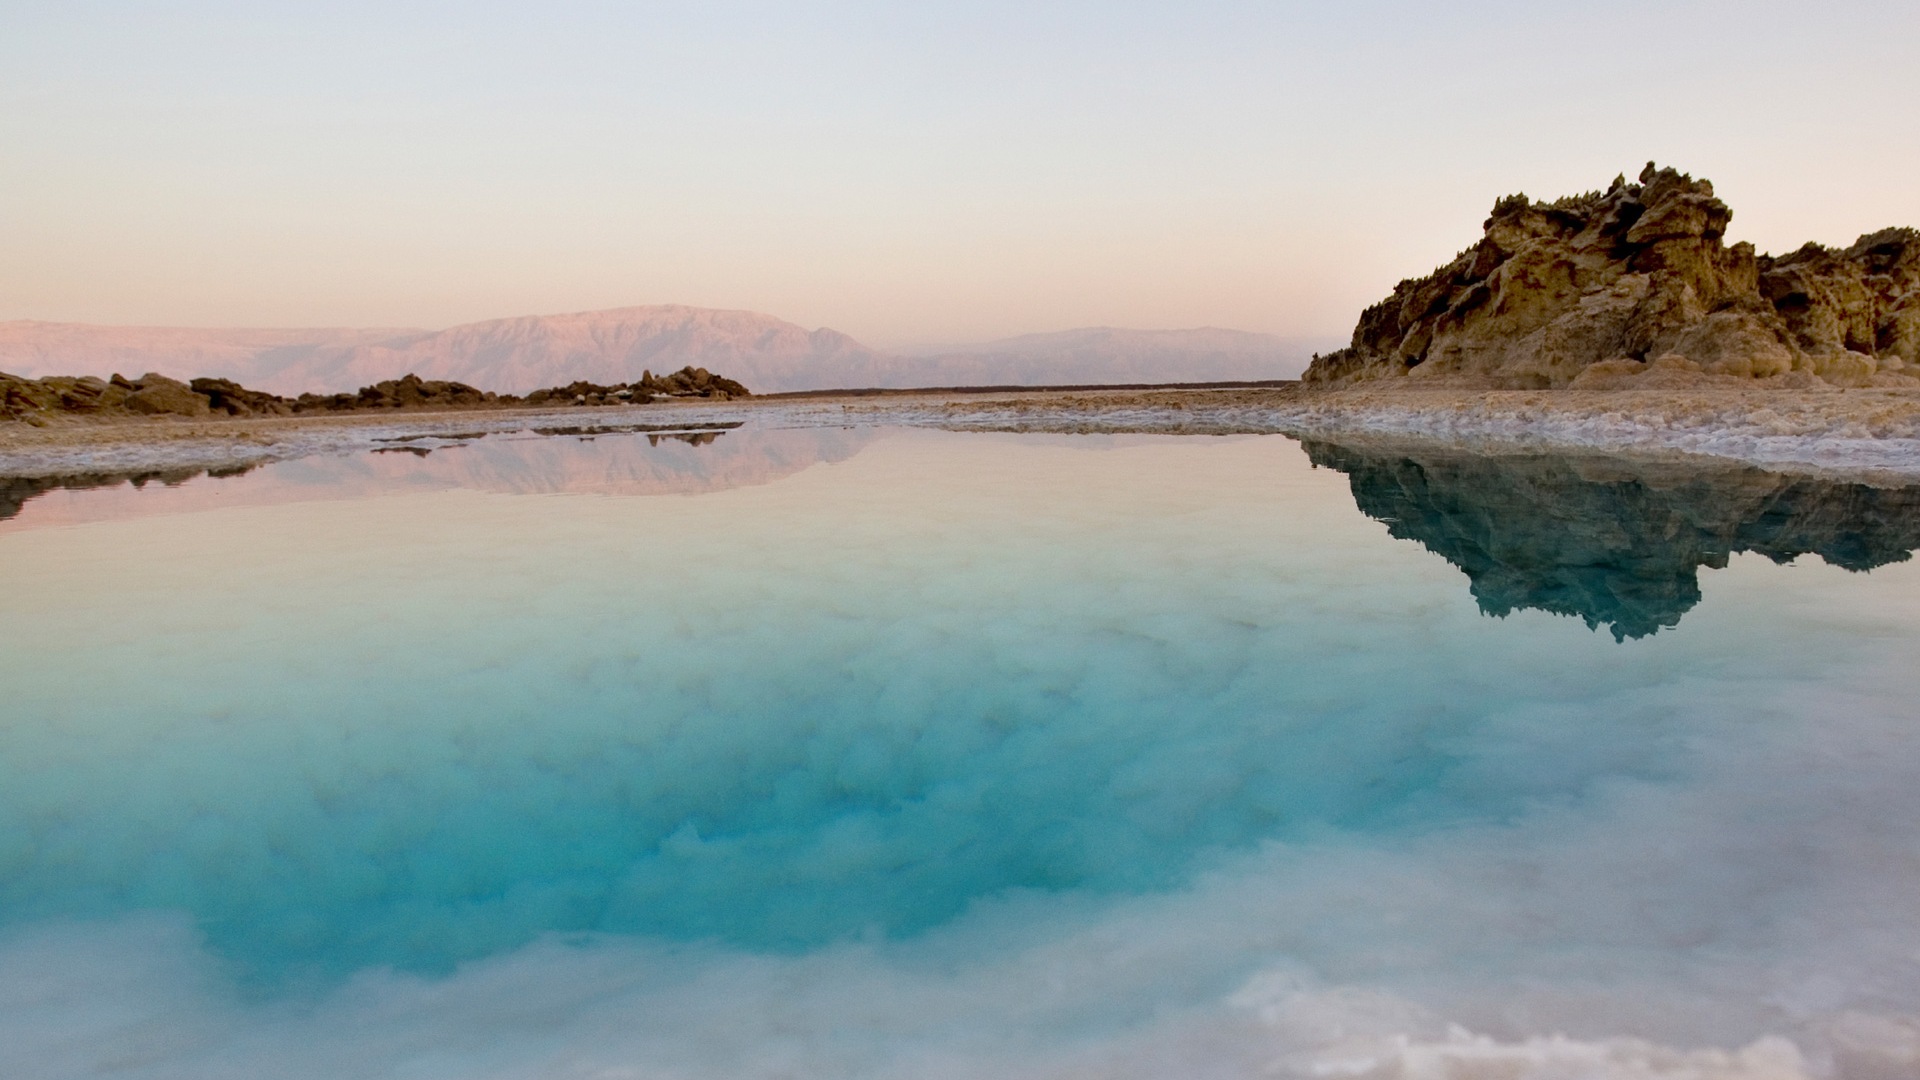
911,348
952,173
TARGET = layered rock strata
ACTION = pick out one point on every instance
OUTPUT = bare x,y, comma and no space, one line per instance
40,400
1606,289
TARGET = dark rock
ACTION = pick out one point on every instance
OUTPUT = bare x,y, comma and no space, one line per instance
233,399
27,399
157,394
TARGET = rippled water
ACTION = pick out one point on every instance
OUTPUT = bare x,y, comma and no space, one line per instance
882,753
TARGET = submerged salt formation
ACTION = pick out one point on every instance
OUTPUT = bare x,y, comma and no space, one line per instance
1616,544
1606,289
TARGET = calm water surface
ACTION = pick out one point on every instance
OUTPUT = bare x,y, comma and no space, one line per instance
867,753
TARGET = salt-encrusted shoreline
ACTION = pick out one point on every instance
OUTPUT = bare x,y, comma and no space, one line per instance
1826,431
168,444
1859,432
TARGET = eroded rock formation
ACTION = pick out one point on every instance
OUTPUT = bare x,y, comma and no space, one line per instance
1614,543
1607,288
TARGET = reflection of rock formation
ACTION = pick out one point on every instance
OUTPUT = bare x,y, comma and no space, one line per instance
16,491
691,438
1615,543
542,461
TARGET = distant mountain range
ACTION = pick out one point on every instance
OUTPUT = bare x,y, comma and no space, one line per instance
522,354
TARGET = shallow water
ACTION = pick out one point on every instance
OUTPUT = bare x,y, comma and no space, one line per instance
892,753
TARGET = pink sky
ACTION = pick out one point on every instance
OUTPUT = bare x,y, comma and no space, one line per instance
944,172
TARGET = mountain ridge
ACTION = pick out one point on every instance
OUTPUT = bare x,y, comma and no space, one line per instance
522,353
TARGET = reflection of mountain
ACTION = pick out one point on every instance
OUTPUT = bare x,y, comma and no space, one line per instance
1615,543
556,461
585,462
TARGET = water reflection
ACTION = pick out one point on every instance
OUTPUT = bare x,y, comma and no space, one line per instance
628,460
691,438
17,491
1616,543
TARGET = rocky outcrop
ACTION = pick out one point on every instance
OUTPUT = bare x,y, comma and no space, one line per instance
229,397
1615,543
1612,287
687,382
39,400
156,395
407,392
34,400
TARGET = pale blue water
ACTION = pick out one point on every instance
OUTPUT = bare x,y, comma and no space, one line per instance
900,753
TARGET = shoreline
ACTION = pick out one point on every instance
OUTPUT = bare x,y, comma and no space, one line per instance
1851,432
1832,432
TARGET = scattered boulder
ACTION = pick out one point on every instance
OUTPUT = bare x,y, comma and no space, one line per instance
1621,279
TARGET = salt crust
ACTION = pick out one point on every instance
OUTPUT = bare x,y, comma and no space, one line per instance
1824,432
1859,433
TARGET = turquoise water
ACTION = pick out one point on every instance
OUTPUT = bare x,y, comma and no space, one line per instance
890,753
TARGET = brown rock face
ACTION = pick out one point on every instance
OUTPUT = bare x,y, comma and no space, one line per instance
227,396
156,394
1634,274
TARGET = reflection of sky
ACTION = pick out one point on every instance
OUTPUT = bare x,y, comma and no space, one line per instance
904,172
1025,754
524,462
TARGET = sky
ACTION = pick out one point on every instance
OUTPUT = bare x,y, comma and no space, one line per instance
909,173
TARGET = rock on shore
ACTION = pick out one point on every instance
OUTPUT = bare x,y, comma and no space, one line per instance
36,401
32,399
1634,287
